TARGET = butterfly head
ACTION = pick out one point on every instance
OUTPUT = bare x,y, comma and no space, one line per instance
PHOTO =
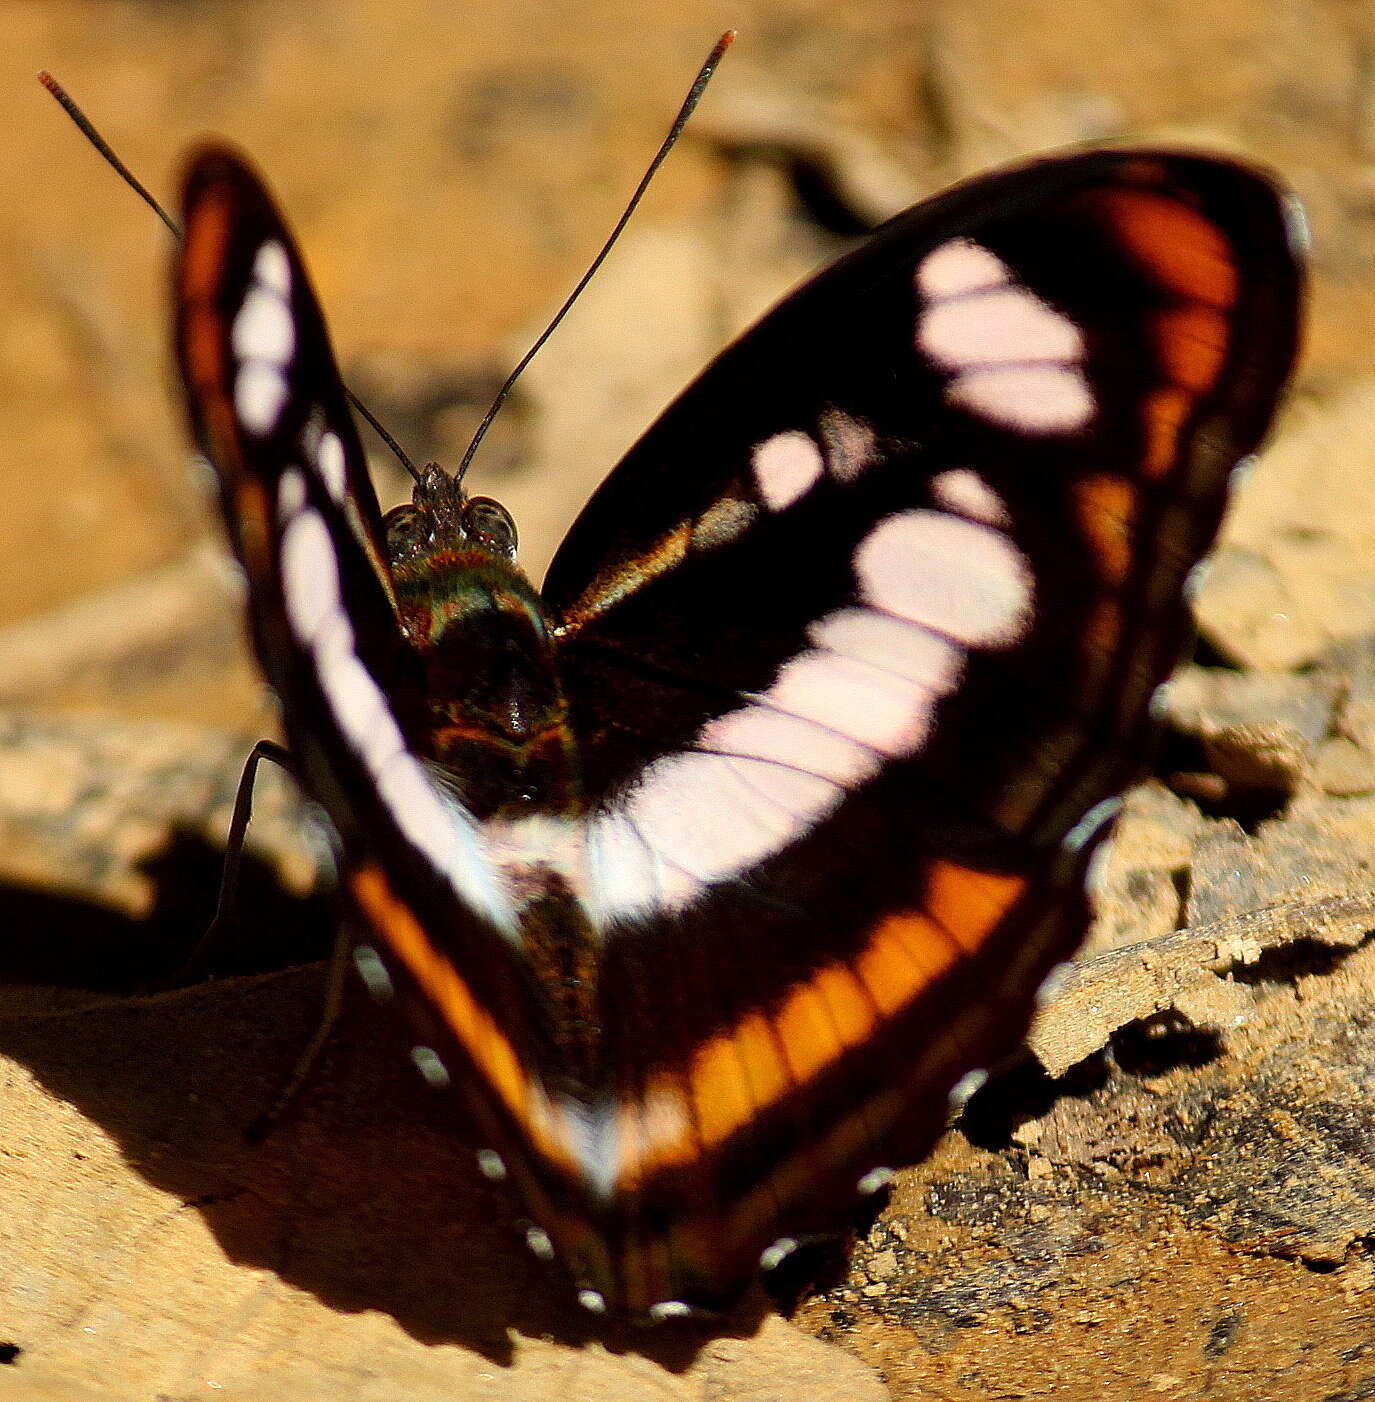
442,518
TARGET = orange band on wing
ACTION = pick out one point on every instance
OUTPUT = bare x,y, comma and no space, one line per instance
1192,260
744,1070
1105,506
202,341
968,904
471,1023
1193,344
1182,248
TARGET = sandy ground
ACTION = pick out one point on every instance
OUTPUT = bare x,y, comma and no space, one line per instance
1174,1196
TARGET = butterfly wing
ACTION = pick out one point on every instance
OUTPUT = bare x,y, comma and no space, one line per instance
857,646
861,642
270,411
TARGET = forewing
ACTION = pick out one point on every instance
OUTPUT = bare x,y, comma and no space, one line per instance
861,642
269,408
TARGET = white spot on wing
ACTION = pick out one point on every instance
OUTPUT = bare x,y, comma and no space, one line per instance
259,393
875,707
263,340
958,267
850,445
262,328
272,268
329,459
310,577
540,1245
964,492
1034,398
766,733
948,574
928,659
1014,359
785,467
1006,323
670,1309
291,495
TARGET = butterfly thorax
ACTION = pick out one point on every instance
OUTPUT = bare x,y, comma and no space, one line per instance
496,719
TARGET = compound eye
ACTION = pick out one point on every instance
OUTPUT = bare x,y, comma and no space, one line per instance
490,525
408,532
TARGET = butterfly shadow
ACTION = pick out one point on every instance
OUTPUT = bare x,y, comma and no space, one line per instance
365,1192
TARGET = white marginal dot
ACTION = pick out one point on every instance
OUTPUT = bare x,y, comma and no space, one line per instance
773,1256
593,1301
966,1087
874,1180
429,1065
259,393
964,492
373,972
1159,705
955,576
273,269
1093,822
537,1239
491,1165
670,1309
785,467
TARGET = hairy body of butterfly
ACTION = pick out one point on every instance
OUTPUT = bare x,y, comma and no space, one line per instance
706,873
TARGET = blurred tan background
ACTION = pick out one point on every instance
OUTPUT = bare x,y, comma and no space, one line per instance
449,169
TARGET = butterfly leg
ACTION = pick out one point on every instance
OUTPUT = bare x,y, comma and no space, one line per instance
335,977
198,960
263,1125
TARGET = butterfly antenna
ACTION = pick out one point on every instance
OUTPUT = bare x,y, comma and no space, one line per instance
85,126
690,102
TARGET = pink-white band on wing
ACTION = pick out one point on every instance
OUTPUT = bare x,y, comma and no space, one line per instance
1014,359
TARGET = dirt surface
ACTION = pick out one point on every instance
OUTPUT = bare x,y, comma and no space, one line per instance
1173,1195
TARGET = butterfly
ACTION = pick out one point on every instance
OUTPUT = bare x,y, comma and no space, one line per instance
708,872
